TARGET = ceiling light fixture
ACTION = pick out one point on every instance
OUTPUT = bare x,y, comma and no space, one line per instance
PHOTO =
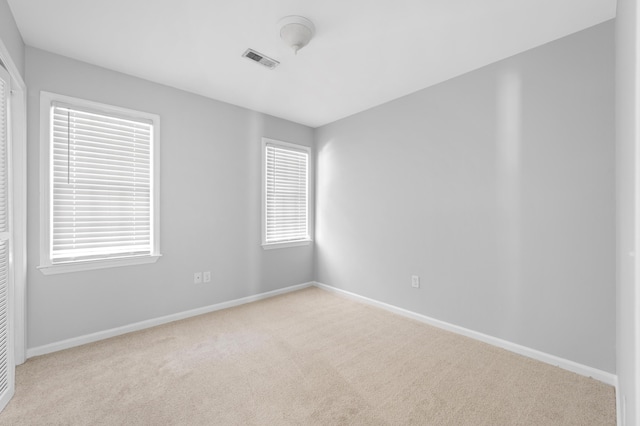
296,31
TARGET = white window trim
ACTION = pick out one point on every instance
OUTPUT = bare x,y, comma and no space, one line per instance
46,266
271,246
305,242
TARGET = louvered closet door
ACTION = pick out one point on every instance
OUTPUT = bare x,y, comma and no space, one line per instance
7,367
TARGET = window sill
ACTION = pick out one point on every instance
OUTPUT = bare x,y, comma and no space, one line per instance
271,246
63,268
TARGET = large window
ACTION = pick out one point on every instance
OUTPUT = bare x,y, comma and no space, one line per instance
285,219
100,169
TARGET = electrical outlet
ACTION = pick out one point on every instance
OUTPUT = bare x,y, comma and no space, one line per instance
415,281
206,277
197,277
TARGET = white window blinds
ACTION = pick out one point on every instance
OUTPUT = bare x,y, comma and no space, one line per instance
286,194
101,185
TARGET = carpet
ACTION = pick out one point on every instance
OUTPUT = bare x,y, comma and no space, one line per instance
304,358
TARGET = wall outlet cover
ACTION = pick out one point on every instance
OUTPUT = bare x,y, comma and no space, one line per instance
415,281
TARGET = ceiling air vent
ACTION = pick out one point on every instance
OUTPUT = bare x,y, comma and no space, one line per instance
261,59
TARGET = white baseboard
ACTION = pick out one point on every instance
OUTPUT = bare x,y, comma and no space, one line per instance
100,335
603,376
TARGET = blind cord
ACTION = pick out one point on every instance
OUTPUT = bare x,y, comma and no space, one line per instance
68,148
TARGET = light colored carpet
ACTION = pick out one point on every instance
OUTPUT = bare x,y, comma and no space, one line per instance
308,357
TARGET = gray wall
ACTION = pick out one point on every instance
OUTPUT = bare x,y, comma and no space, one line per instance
496,188
11,37
210,208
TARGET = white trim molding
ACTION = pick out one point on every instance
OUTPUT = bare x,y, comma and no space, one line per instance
18,202
88,265
583,370
105,334
271,246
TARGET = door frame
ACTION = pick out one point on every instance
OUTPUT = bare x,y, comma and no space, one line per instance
18,196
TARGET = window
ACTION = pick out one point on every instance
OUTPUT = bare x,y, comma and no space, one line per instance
285,219
100,181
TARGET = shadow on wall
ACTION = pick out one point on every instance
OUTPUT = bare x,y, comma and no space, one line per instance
509,151
255,131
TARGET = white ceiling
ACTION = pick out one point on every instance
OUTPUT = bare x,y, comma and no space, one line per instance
365,52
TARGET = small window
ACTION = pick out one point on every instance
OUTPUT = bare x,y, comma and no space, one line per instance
286,194
100,172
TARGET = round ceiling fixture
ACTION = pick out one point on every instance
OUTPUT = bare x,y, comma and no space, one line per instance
296,31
